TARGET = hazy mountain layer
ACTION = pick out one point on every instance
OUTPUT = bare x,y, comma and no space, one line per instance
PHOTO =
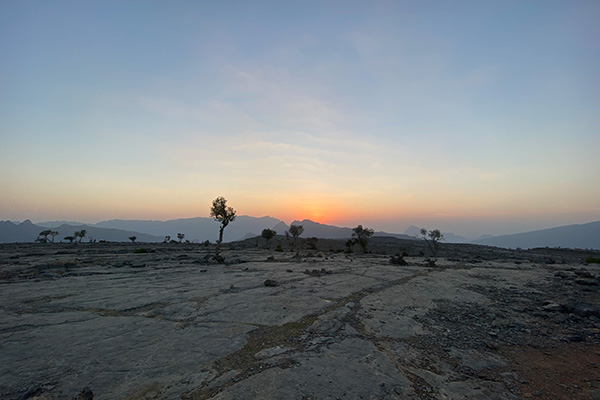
586,236
583,236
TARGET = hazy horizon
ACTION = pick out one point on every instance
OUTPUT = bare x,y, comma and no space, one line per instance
467,229
471,117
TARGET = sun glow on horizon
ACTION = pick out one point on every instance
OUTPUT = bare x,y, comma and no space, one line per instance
407,113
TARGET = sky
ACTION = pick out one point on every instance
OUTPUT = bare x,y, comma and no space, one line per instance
475,117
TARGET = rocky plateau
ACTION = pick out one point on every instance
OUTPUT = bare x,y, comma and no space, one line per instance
166,321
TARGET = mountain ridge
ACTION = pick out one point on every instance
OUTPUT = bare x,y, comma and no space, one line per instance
199,229
582,236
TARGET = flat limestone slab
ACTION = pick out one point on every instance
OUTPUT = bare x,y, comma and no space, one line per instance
168,324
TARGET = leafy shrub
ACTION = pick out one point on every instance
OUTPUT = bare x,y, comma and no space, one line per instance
592,260
141,250
278,248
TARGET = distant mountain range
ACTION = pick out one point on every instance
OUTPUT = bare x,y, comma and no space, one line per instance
200,229
449,237
582,236
28,232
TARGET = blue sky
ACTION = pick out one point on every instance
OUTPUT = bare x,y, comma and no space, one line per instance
476,117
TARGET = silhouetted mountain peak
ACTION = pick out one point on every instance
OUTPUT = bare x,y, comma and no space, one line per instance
412,230
280,228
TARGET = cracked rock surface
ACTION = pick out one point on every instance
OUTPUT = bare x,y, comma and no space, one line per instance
102,321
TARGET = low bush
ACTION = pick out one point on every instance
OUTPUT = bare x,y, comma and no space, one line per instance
278,248
141,250
592,260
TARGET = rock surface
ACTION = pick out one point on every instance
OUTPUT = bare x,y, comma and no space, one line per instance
170,323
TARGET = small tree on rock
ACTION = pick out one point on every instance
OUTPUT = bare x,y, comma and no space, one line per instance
167,239
361,236
223,214
432,238
43,236
132,238
180,236
80,234
268,234
295,232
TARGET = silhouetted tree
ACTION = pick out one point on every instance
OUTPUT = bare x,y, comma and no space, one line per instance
268,234
43,236
432,238
349,244
80,234
167,239
70,238
361,236
295,232
132,238
180,236
223,214
53,234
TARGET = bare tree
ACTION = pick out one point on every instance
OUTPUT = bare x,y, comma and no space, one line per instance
295,231
361,236
223,214
268,234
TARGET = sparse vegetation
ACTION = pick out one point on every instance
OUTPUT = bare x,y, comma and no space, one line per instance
80,234
167,239
432,238
295,232
311,243
180,236
268,234
592,260
349,244
398,259
70,238
43,236
279,248
223,214
361,236
141,250
132,238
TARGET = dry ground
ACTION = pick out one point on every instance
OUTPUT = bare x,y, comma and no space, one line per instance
164,321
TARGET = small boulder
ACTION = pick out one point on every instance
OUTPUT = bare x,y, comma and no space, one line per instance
584,273
582,309
271,283
398,260
552,307
85,394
